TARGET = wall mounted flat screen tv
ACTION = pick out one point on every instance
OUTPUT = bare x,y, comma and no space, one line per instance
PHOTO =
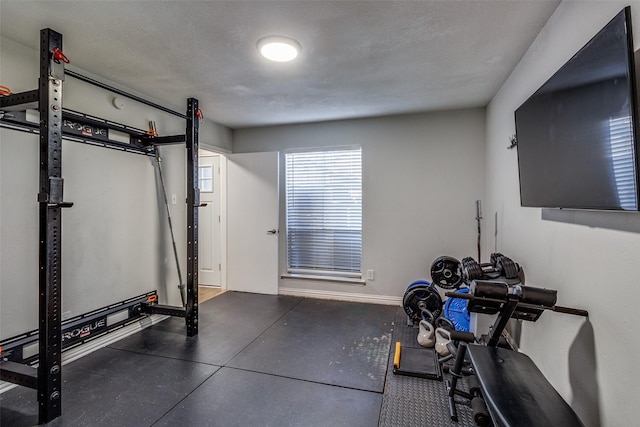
577,134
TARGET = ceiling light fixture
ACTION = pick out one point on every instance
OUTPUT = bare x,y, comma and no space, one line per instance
278,48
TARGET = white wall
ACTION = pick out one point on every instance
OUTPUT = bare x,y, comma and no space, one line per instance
590,257
116,242
421,176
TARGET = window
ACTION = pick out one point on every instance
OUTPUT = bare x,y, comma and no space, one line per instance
205,176
324,212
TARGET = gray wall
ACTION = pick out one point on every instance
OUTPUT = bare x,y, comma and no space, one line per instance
421,176
115,239
590,257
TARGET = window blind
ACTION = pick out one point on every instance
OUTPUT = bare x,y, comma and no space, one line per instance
324,212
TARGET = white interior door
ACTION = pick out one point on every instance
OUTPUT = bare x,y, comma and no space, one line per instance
252,222
209,247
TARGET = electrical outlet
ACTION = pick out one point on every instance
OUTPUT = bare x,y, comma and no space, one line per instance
370,275
174,199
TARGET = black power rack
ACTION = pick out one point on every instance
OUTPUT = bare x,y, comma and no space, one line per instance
56,123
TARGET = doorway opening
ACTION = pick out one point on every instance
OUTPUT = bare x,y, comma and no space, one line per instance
211,279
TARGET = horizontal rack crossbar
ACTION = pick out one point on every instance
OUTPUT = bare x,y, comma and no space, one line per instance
123,93
78,329
73,131
68,114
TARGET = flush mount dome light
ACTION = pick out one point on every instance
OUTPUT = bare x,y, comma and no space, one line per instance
278,48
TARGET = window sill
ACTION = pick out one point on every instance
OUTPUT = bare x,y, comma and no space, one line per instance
356,282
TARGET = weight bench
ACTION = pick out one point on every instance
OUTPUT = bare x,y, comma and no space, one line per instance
516,392
510,387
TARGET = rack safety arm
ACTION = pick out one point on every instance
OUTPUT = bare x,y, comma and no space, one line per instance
20,374
20,101
163,140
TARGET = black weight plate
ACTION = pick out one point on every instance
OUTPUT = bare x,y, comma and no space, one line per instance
495,258
422,297
445,272
471,270
509,268
418,283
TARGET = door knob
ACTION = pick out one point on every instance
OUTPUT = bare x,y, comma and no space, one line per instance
272,231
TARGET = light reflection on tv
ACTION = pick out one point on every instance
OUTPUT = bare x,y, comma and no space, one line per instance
623,161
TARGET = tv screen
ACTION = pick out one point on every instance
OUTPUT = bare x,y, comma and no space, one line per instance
577,134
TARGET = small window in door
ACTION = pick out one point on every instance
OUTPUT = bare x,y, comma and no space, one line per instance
205,177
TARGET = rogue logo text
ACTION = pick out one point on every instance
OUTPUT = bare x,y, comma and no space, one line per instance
84,129
84,330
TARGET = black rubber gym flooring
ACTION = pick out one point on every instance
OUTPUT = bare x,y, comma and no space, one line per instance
259,360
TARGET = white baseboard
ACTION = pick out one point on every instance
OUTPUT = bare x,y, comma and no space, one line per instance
76,353
342,296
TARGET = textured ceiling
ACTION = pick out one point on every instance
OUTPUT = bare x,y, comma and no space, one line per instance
359,58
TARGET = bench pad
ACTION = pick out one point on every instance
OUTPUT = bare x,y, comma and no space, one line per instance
516,392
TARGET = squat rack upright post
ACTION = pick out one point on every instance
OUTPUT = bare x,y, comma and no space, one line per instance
190,310
193,202
50,202
47,379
